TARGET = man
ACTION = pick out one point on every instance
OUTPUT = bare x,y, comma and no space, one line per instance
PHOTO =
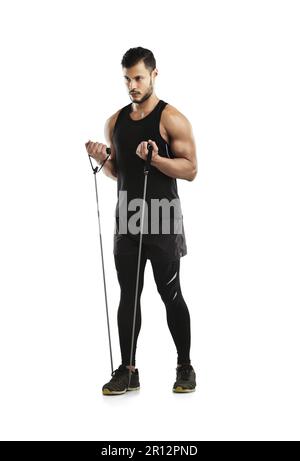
148,120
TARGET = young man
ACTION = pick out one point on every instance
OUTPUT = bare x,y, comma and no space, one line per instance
148,119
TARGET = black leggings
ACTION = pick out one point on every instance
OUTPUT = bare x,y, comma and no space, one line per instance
166,275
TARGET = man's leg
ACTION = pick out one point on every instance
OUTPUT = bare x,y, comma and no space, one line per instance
166,276
126,266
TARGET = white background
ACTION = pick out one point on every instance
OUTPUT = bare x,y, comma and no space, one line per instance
232,67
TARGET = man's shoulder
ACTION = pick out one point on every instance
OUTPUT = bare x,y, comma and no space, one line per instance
113,118
115,115
171,113
170,110
172,118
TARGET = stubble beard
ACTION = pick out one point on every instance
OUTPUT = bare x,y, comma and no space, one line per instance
145,97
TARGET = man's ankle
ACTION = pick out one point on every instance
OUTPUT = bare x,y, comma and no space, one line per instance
132,367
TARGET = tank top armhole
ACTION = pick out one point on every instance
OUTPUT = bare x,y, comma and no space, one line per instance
167,147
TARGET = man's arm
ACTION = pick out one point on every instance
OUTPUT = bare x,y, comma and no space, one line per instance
182,143
109,167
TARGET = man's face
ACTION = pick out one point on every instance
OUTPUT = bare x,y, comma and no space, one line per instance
139,82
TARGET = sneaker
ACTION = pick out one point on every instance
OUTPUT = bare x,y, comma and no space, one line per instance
119,381
185,379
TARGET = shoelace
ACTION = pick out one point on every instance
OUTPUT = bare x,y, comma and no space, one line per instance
118,372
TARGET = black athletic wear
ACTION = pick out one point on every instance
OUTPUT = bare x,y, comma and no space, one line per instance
120,380
127,135
164,250
185,379
166,275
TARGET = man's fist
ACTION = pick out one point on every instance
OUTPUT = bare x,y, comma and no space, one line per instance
142,150
97,150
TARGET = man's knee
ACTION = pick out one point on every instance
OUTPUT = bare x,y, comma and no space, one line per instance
169,289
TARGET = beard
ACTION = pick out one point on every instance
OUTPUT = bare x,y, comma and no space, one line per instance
145,97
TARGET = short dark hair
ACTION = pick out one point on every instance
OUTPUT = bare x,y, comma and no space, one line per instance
134,55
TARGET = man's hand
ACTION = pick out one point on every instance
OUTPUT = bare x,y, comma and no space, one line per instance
96,150
142,150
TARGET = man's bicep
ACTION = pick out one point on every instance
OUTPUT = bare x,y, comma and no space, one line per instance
182,138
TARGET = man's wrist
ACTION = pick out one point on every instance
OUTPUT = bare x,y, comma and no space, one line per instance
156,160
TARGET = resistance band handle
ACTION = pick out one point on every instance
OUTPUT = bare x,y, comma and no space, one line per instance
149,158
96,169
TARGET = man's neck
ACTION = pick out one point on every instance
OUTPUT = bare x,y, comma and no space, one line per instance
146,106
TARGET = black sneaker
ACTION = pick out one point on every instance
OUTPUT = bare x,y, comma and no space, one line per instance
119,381
185,379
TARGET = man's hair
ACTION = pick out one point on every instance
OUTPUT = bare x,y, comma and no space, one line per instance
134,55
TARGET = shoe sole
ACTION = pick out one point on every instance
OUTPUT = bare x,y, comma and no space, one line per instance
106,391
182,390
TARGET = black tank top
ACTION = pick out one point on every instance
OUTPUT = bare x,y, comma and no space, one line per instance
127,135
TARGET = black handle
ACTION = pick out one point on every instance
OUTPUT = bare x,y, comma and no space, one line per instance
149,158
96,169
108,152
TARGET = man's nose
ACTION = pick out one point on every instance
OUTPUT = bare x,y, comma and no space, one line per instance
132,86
